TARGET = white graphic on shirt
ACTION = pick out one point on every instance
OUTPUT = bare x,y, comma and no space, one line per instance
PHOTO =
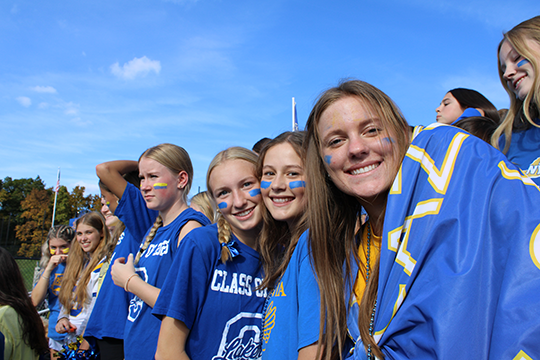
241,338
136,304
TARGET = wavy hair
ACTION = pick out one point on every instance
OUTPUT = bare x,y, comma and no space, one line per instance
80,264
277,242
13,293
230,154
332,217
521,113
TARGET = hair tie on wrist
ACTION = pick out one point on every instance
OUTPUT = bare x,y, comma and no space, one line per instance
45,277
127,282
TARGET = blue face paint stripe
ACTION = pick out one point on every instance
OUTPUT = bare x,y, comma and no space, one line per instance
255,192
265,184
222,205
328,159
297,184
522,62
389,140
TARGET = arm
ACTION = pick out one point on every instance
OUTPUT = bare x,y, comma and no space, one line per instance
110,173
309,352
190,225
40,290
172,340
124,275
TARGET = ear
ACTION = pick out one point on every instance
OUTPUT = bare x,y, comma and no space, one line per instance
183,179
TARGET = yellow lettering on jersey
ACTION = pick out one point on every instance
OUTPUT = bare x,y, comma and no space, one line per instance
534,247
401,296
512,174
279,290
396,185
403,257
439,179
269,321
522,356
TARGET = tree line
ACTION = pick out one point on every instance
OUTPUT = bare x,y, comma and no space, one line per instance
26,208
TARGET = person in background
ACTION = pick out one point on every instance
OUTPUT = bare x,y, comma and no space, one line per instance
480,126
202,202
22,335
461,103
518,136
54,253
106,325
260,144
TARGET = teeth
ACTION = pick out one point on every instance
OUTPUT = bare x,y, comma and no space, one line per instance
364,169
244,213
282,200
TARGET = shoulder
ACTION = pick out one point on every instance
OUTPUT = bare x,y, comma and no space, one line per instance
205,238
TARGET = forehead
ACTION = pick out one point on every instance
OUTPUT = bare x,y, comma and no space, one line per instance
449,96
230,172
84,227
147,164
505,50
283,153
56,242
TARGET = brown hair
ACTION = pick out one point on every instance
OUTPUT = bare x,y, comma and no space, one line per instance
232,153
63,232
521,113
332,216
80,265
277,242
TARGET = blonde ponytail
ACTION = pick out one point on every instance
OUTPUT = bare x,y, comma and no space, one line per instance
157,224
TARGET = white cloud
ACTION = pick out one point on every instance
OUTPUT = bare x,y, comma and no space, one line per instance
43,105
136,67
72,109
44,89
24,101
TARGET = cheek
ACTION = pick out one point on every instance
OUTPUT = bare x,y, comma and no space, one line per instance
222,205
253,193
265,184
160,186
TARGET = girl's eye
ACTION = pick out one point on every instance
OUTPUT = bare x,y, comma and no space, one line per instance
293,173
247,184
268,173
334,142
221,193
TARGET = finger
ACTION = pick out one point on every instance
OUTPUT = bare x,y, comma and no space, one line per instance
130,259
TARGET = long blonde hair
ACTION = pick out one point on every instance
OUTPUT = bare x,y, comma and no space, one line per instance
332,217
232,153
80,264
521,113
176,159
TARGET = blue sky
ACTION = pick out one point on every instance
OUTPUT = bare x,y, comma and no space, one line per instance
83,82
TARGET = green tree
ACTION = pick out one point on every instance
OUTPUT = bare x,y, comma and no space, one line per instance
64,208
12,193
32,232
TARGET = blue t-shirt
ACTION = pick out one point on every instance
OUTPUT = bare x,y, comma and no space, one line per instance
524,151
55,282
108,318
219,303
292,315
142,329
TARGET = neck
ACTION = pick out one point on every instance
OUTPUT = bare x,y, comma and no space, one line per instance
172,213
248,237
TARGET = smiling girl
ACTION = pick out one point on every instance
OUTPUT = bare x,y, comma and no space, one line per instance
166,174
291,319
519,71
80,282
54,251
435,272
211,304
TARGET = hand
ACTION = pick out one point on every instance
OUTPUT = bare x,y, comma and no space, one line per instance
122,270
54,261
63,326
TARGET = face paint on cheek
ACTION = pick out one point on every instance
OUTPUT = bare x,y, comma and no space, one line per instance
160,186
389,140
222,205
107,203
53,252
522,62
265,184
255,192
65,251
328,159
297,184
